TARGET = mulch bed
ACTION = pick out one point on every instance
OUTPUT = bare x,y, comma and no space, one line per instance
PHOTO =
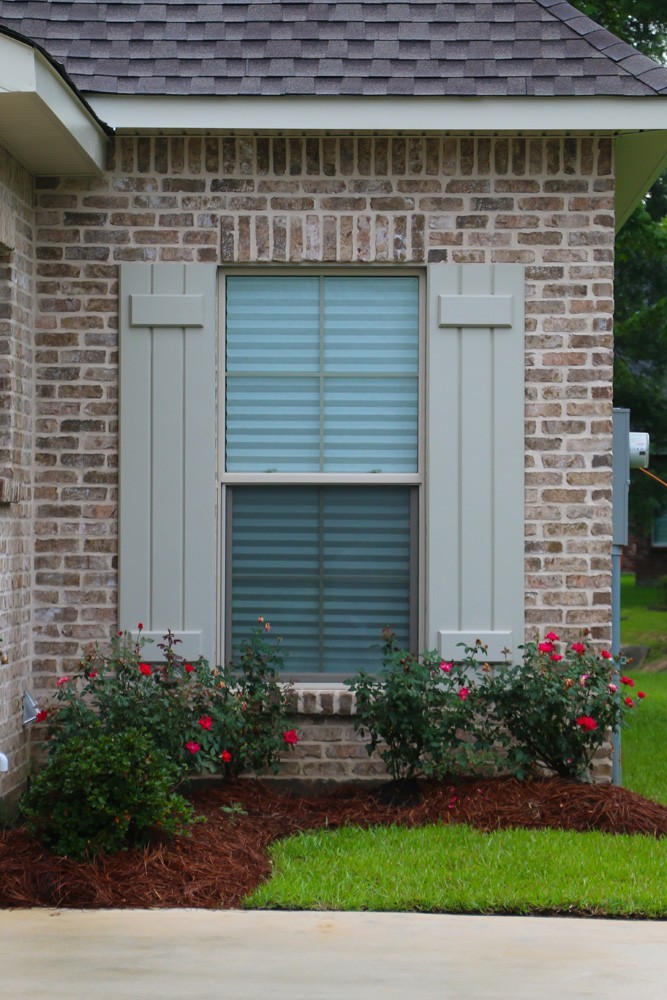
226,857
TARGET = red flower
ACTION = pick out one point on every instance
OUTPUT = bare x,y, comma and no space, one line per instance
586,722
41,715
290,736
552,637
641,694
606,655
555,657
188,668
62,680
545,647
628,681
145,669
446,667
226,756
120,635
206,722
192,747
629,702
140,625
91,676
463,693
578,647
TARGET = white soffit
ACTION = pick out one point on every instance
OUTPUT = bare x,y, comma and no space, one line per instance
43,124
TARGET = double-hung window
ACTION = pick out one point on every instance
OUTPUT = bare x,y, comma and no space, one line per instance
322,462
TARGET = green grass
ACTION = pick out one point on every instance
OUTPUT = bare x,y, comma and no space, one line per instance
456,869
644,740
642,624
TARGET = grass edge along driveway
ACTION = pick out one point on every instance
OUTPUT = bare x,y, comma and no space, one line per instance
456,869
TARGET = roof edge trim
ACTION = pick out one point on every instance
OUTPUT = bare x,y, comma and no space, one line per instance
158,113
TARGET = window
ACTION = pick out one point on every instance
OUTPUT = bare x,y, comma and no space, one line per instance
322,462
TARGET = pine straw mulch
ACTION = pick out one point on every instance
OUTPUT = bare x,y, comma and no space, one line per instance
225,858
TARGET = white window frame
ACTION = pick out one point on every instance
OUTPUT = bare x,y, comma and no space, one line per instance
227,480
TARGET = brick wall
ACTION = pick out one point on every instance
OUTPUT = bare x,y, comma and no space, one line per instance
16,402
546,203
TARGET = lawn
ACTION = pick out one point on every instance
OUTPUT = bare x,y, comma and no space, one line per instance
643,618
644,741
455,869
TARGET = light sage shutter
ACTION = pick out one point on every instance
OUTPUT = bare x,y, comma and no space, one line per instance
167,507
475,457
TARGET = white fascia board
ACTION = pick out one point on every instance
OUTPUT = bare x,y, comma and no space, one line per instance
73,141
155,113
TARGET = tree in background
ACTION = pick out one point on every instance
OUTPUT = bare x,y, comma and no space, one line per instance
640,315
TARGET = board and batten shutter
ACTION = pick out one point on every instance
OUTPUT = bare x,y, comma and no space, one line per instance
475,458
167,504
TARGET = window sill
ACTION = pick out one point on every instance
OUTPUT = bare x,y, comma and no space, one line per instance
323,698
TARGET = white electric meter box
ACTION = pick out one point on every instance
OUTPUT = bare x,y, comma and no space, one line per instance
639,450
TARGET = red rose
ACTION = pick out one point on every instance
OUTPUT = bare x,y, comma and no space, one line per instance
290,736
605,654
188,668
628,681
91,676
552,637
555,657
545,647
226,756
578,647
145,669
641,694
463,693
206,722
586,722
61,681
41,715
192,747
629,702
140,625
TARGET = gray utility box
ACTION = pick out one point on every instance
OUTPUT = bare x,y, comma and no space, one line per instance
630,450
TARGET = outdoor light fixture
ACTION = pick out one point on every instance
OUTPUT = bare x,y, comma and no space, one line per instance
4,763
30,708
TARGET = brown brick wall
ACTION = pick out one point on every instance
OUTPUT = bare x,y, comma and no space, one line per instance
16,404
546,203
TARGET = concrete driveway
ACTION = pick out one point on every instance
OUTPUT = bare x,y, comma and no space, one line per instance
201,955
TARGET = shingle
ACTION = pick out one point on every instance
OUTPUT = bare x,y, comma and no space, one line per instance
361,47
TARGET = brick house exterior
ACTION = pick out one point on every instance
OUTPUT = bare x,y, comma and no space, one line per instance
545,200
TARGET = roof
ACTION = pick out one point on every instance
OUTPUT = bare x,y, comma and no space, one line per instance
484,48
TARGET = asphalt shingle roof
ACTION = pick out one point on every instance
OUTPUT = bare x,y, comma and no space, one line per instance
363,47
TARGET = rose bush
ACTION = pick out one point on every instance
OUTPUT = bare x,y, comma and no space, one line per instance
422,714
224,719
558,704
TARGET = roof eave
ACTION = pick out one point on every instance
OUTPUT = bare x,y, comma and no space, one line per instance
43,123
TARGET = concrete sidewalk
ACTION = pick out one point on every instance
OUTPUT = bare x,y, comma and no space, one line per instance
201,955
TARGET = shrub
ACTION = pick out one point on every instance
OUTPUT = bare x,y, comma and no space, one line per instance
227,719
103,792
558,707
421,714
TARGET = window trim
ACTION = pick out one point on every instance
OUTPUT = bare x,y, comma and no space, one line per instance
227,480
